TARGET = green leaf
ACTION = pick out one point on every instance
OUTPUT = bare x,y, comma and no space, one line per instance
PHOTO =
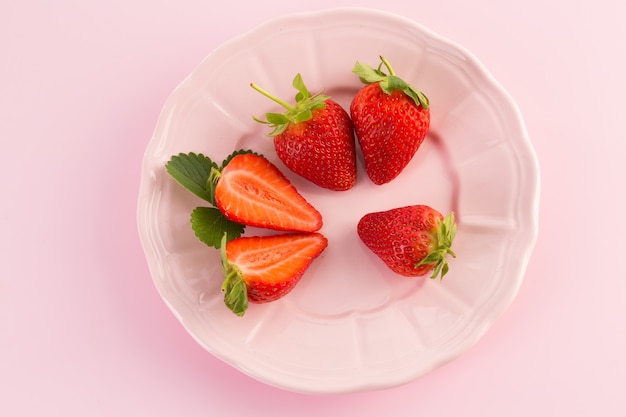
318,106
210,226
367,74
444,270
303,116
447,232
418,97
192,171
396,83
389,83
278,129
422,98
276,118
303,92
233,286
236,296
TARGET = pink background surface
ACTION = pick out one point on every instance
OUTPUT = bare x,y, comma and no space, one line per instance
83,331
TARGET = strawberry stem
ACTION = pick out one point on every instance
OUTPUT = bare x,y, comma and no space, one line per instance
286,105
384,61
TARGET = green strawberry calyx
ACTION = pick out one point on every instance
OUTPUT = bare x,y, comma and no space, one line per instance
233,286
300,112
445,235
389,82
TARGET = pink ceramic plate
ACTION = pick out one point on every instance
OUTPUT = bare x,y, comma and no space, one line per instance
350,324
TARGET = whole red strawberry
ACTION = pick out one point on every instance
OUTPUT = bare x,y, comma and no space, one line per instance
314,138
391,119
412,240
262,269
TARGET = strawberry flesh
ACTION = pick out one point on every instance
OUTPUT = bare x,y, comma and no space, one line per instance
253,191
269,266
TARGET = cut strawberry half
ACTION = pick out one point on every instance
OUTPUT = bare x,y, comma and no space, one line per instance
261,269
253,191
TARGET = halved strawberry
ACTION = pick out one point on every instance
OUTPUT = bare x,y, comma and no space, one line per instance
253,191
260,269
